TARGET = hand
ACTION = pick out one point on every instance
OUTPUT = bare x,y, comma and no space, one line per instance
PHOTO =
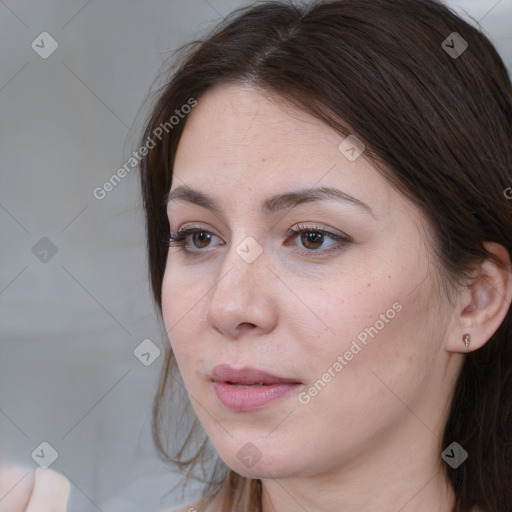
50,493
16,483
46,491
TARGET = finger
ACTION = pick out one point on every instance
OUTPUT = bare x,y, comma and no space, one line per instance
50,493
16,484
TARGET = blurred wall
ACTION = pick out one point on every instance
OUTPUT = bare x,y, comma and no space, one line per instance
79,339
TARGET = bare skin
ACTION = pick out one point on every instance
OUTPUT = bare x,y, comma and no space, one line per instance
22,490
370,439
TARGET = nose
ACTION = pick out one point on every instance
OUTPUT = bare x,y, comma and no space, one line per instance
244,298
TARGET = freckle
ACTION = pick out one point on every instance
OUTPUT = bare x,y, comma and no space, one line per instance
369,284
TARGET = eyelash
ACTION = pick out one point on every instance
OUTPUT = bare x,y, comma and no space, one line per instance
179,239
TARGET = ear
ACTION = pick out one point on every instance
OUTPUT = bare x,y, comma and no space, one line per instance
486,302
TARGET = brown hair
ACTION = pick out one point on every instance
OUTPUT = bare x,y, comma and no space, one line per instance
437,126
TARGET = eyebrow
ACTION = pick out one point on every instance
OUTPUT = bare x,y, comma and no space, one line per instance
272,204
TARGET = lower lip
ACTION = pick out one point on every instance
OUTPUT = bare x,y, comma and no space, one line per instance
254,397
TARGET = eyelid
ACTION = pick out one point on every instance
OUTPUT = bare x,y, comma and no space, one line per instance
340,239
315,227
179,237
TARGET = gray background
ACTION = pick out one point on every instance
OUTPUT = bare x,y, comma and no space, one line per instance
70,322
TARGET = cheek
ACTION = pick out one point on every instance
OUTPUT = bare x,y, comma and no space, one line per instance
182,291
353,386
344,310
182,309
366,322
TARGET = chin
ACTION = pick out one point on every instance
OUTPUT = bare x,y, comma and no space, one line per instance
262,471
250,462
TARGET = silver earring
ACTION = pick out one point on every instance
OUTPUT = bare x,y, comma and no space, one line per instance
466,338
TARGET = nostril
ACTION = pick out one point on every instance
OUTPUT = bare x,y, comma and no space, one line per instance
246,327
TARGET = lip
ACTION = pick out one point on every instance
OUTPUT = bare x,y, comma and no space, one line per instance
246,375
225,380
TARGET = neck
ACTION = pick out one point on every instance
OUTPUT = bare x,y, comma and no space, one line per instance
401,475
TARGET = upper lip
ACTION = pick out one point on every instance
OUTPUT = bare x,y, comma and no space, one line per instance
246,375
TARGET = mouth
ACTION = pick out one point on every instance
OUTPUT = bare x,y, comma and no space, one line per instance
246,385
249,388
247,376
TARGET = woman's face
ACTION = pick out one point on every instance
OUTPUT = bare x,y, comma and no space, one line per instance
352,326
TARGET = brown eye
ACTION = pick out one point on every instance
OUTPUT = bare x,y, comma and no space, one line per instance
202,237
312,239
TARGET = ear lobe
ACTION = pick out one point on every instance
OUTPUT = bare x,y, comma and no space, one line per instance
489,302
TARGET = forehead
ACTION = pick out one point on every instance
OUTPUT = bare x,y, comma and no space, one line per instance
240,122
240,144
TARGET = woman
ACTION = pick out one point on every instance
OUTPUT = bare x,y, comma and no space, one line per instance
329,239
